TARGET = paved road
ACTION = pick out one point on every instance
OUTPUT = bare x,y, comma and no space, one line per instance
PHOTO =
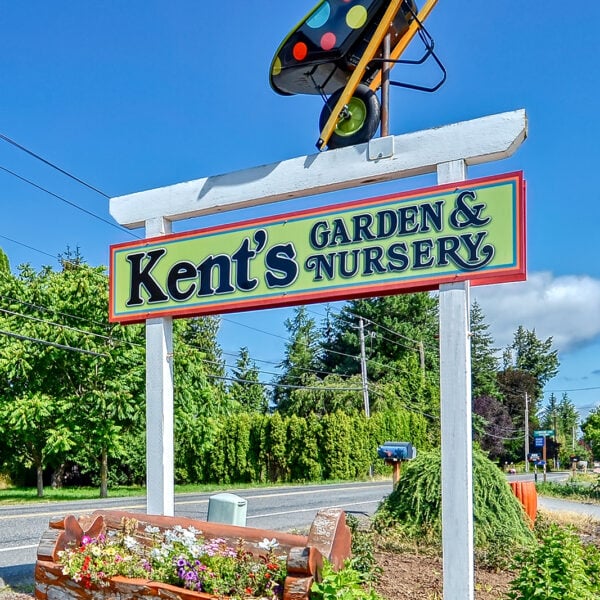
282,509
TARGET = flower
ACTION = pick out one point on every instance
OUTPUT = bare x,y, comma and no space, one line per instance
268,544
179,556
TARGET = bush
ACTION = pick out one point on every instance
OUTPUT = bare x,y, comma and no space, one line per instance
559,567
415,506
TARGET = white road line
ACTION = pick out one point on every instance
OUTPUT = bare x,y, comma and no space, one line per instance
19,548
314,509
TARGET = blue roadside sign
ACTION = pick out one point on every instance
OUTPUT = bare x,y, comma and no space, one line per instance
538,442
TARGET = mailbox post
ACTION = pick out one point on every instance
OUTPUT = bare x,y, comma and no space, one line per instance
394,453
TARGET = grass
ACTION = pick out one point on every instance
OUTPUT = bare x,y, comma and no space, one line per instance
583,488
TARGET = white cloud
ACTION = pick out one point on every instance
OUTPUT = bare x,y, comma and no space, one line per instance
566,308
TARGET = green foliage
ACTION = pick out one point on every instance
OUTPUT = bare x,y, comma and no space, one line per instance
363,551
277,456
336,442
324,396
415,504
246,389
571,489
591,431
301,360
559,567
530,354
395,327
344,584
484,364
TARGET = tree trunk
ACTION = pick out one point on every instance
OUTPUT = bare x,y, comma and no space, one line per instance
104,474
58,476
40,480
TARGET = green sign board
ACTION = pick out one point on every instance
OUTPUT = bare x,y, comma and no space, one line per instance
401,242
543,433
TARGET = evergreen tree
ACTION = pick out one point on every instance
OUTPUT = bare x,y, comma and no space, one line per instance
301,361
246,388
484,364
568,417
529,353
201,334
394,327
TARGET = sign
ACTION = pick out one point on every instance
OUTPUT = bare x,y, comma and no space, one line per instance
402,242
544,433
533,457
538,442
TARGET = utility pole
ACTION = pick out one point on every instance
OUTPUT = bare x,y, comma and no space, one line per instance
363,367
526,433
556,463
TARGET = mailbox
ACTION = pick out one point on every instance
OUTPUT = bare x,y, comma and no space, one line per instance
397,451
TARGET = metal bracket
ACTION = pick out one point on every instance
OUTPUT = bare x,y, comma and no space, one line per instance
381,147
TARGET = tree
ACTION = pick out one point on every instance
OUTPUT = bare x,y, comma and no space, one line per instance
395,326
518,387
325,396
68,364
568,419
591,431
484,363
301,361
246,388
201,334
529,353
35,432
494,426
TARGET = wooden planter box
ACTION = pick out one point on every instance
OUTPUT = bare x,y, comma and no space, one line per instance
329,537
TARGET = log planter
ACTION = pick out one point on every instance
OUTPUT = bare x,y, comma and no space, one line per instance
329,537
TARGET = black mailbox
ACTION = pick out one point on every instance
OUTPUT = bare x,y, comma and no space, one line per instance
397,451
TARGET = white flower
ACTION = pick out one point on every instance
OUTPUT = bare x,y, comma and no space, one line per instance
268,544
151,529
130,542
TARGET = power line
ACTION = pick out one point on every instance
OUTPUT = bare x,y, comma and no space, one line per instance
53,344
69,202
287,385
4,237
573,390
54,311
52,165
67,327
307,345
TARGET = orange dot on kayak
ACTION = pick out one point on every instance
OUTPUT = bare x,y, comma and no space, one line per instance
300,51
328,41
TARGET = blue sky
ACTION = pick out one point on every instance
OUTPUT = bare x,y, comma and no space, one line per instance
135,95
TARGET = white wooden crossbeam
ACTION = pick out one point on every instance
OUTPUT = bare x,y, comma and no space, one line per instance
476,141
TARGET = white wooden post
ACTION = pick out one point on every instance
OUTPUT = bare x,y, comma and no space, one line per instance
457,447
160,486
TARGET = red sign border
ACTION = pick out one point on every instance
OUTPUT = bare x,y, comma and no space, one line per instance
514,273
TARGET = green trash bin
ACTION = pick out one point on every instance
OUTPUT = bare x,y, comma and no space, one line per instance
227,508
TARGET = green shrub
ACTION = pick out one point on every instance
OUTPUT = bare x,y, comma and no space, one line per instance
363,551
415,506
344,584
559,567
